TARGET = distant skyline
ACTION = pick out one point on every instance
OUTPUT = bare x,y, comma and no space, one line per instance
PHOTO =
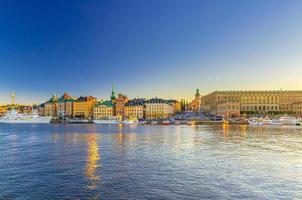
148,48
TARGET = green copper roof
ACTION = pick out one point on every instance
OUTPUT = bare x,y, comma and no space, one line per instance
105,103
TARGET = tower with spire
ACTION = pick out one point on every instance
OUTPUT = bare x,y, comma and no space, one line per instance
112,94
197,94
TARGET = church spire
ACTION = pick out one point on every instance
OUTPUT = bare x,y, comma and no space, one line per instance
197,95
112,93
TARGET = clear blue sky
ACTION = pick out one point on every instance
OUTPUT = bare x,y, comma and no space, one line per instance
164,48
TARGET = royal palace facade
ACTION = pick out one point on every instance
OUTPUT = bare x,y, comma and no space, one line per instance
230,103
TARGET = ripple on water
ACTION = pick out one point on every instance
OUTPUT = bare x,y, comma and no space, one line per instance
150,162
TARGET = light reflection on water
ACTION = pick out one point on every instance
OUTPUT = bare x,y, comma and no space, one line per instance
150,162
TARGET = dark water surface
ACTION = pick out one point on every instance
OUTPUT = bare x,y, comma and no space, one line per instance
150,162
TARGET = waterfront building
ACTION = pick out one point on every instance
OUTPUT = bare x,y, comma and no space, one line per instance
3,109
176,105
24,109
135,109
83,107
65,106
229,103
103,110
194,105
158,108
297,108
51,106
41,109
120,102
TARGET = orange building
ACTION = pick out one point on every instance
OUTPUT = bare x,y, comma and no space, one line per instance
83,107
120,102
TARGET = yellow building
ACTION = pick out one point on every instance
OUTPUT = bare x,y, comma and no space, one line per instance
3,109
251,102
194,105
297,109
51,106
158,108
229,108
135,109
83,107
103,110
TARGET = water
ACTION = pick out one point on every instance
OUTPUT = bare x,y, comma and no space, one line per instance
150,162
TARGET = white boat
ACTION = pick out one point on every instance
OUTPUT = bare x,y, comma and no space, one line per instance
255,121
130,121
106,121
14,117
166,122
272,122
80,121
154,122
287,120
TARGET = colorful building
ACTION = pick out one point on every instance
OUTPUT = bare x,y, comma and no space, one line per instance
158,108
176,105
3,109
41,109
83,107
120,102
194,105
51,106
135,109
251,102
103,110
65,106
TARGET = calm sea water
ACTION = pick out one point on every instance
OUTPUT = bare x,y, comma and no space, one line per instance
150,162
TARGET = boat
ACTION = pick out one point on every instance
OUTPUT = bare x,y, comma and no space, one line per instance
191,123
177,123
287,120
166,122
111,120
79,121
255,121
154,122
272,122
130,121
14,117
142,122
236,120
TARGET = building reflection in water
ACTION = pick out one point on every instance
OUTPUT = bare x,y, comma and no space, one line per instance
243,130
122,137
93,158
226,130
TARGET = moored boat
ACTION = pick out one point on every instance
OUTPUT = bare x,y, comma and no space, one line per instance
14,117
105,121
255,121
166,122
287,120
130,121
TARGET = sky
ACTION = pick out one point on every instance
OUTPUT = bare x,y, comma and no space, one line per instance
148,48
